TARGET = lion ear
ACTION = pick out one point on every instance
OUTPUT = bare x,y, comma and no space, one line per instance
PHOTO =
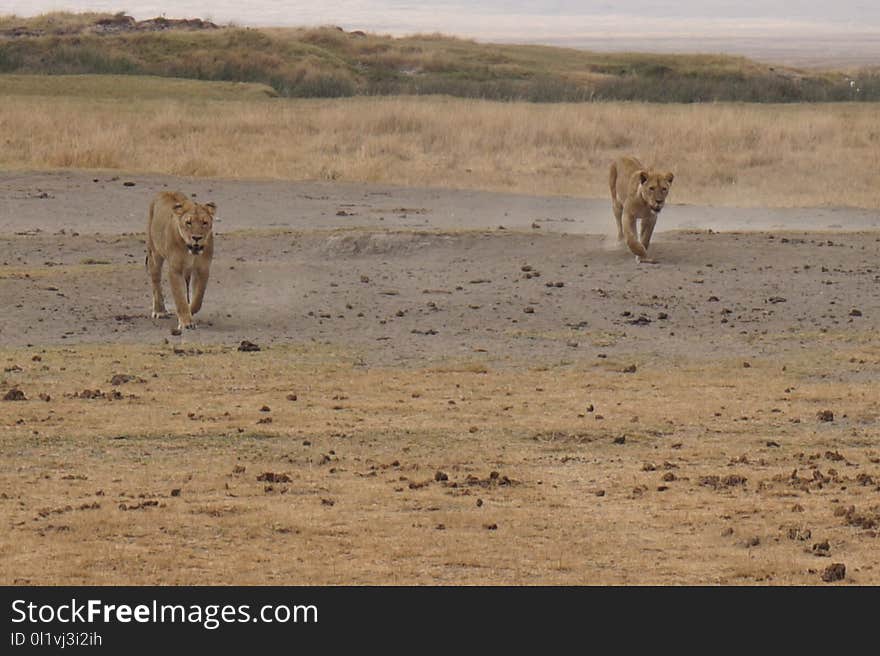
211,206
643,176
670,177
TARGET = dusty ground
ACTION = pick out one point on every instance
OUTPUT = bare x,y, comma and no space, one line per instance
655,424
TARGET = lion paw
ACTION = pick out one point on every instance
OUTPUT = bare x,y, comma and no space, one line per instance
159,315
645,260
189,325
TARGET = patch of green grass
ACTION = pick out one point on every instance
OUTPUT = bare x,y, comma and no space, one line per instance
128,86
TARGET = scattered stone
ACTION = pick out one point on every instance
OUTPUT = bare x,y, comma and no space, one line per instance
441,476
175,492
631,369
175,332
825,415
272,477
834,572
855,313
620,440
491,527
291,397
822,549
15,394
248,346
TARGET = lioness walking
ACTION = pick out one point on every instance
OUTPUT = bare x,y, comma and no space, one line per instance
180,231
637,193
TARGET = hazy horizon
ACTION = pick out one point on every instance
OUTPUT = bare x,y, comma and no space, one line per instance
808,32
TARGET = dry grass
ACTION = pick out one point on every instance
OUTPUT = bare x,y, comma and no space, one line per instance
745,155
90,497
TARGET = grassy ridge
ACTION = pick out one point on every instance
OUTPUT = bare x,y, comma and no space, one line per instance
328,62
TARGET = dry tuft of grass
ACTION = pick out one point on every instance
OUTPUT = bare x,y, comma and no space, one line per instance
722,154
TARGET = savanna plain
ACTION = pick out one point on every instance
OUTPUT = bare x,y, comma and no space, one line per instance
423,358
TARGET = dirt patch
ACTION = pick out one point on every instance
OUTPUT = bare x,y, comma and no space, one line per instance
424,428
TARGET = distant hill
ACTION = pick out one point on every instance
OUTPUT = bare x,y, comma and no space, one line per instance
329,62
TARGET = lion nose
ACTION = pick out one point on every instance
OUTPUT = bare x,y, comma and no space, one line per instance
196,237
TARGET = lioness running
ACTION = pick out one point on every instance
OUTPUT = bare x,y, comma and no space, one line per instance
637,193
180,231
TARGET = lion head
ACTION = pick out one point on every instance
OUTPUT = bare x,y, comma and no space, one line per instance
654,187
194,224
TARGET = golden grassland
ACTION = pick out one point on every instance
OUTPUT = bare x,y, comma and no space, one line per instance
722,154
724,474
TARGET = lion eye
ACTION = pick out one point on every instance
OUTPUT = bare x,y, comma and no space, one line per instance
652,188
189,223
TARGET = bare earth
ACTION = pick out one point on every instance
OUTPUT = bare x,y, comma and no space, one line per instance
452,387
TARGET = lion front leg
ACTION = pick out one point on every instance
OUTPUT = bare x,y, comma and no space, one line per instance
632,240
617,208
648,230
178,291
154,266
200,283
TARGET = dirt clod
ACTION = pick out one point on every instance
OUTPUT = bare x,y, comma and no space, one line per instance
14,394
272,477
248,346
834,572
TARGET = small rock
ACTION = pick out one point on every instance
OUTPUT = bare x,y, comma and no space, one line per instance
441,476
825,415
272,477
620,440
834,572
15,394
175,492
248,346
631,369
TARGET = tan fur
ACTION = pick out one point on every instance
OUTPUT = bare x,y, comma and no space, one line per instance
181,232
637,193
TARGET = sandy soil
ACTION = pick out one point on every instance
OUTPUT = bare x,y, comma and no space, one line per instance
647,424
